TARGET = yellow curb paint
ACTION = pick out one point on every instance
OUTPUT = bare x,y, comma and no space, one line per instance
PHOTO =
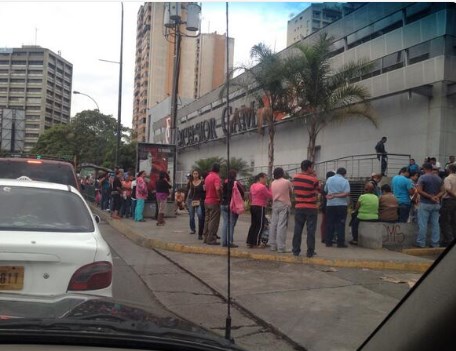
240,253
424,251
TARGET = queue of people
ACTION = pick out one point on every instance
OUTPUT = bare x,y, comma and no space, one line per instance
415,194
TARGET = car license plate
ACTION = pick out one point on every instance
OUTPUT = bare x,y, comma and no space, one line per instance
11,277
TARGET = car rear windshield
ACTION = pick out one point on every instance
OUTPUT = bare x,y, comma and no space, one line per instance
39,170
35,209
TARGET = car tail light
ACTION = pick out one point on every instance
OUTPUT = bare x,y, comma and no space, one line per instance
35,161
97,275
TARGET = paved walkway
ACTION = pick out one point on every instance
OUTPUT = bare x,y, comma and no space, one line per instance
174,236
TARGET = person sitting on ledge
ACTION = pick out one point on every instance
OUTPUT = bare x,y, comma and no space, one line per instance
367,209
388,210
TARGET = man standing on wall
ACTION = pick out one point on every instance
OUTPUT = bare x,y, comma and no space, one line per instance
382,155
338,190
213,185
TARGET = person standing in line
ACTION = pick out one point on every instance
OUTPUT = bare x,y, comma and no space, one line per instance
323,207
141,196
259,197
213,185
281,204
133,196
338,190
195,192
366,209
413,167
306,188
105,192
116,194
162,193
227,192
448,220
126,196
403,188
430,187
382,155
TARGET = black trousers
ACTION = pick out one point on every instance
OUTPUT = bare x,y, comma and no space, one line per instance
256,225
448,221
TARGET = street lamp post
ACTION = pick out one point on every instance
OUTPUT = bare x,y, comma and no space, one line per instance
119,98
91,98
173,22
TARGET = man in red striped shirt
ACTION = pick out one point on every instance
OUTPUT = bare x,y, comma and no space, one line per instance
306,188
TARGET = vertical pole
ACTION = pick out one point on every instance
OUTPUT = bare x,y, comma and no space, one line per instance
228,317
176,72
119,109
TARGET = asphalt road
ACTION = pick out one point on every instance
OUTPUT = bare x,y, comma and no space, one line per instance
277,306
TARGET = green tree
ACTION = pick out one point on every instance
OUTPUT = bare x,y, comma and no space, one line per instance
242,168
205,164
268,75
57,141
323,96
239,165
90,137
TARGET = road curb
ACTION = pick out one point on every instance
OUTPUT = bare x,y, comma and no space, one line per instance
139,239
425,251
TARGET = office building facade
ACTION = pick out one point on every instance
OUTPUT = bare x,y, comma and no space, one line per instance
412,83
316,17
38,82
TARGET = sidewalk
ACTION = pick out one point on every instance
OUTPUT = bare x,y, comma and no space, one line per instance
174,236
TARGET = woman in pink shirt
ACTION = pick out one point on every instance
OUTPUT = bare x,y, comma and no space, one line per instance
259,197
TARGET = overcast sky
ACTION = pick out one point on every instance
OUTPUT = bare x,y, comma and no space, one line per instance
87,31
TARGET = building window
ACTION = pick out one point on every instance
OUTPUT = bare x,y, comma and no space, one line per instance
417,11
419,53
393,61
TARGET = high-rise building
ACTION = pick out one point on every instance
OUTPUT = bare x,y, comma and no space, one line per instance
210,72
37,81
155,62
315,17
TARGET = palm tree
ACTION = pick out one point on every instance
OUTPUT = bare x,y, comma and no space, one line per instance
324,96
268,76
242,168
205,164
238,164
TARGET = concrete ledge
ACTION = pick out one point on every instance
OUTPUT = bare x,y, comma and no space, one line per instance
377,235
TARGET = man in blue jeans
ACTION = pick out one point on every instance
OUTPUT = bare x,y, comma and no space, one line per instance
431,189
338,190
403,188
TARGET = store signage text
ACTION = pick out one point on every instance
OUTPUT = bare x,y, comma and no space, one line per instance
243,119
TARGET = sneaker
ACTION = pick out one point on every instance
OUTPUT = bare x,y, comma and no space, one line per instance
273,248
283,250
192,232
353,242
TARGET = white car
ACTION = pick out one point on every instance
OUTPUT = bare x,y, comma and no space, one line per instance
50,243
